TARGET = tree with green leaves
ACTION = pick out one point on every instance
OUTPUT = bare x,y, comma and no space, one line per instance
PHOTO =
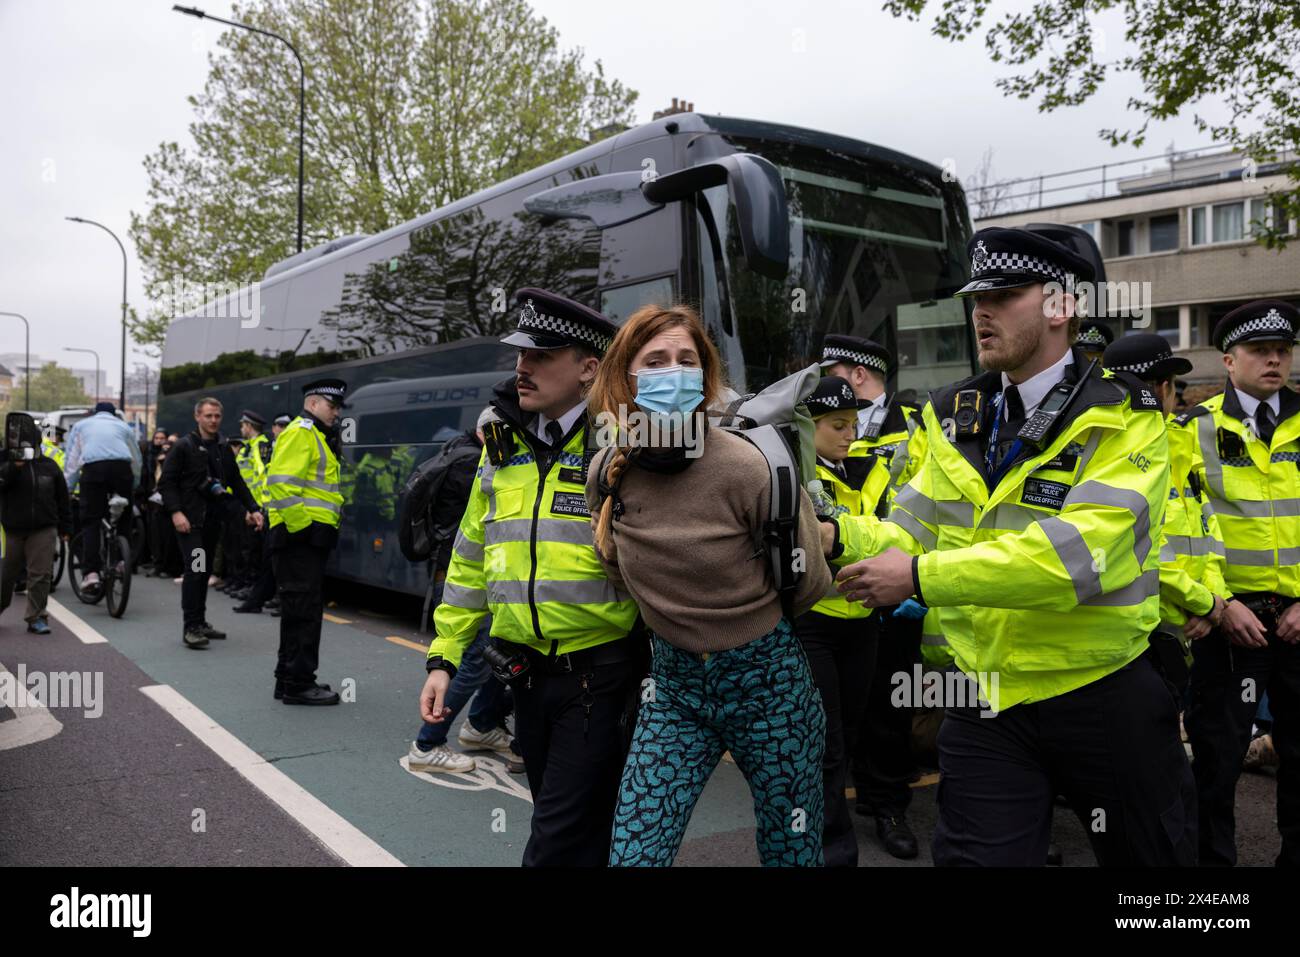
411,104
54,386
1185,53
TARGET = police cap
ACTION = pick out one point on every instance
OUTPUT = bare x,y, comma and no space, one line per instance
551,321
1258,321
856,352
252,418
332,389
832,394
1145,355
1095,336
1003,258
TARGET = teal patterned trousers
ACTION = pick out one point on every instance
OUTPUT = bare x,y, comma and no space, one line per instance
757,701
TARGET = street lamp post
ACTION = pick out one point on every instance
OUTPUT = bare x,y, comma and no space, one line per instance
302,89
91,222
27,374
96,355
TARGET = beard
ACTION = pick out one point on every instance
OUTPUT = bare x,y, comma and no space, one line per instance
1011,352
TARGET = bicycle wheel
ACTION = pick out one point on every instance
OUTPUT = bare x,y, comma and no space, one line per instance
59,565
117,574
75,574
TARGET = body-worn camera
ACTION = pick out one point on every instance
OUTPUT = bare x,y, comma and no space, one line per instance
968,412
506,667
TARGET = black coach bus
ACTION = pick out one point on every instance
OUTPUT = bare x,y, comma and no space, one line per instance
778,235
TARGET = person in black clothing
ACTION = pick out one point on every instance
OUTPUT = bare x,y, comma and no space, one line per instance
143,494
35,512
193,484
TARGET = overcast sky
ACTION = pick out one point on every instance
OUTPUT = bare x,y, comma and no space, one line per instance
92,86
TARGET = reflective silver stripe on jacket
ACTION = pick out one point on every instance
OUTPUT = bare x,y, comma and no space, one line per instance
475,599
1146,585
1207,436
1075,557
1262,557
305,483
591,591
908,523
467,548
1135,503
959,513
288,500
548,530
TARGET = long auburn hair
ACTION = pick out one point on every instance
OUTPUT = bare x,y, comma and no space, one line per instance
612,391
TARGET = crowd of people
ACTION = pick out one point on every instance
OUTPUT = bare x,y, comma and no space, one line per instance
1088,565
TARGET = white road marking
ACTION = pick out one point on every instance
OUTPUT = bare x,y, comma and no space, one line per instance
33,722
328,827
88,635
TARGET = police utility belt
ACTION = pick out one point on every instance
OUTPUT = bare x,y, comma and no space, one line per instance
510,661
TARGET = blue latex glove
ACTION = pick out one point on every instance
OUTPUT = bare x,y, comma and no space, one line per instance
911,608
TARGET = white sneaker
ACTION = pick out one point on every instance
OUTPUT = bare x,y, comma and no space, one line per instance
496,739
439,759
91,580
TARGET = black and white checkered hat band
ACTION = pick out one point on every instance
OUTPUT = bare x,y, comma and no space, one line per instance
1091,338
1138,368
532,321
837,354
329,391
1017,262
1272,322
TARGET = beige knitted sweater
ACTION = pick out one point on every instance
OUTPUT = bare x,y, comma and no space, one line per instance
685,547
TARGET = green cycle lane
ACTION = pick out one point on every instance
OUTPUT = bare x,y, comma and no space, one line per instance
349,756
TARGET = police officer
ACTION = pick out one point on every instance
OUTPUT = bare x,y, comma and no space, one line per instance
1192,590
253,459
50,445
1031,527
304,504
1093,339
1247,450
524,553
882,762
262,594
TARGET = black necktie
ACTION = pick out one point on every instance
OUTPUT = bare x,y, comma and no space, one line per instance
1015,408
554,435
1265,423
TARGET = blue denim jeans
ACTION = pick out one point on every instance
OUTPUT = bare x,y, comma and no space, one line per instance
490,706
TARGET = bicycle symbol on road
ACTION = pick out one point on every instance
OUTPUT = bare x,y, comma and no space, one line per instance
490,774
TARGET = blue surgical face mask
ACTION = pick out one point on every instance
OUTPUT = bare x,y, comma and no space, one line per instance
671,389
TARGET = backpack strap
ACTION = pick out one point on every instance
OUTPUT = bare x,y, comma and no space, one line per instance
781,527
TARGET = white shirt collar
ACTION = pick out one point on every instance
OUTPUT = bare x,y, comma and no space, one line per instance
566,421
1034,389
1250,404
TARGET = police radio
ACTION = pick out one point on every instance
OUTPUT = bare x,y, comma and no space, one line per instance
496,439
968,413
1042,424
875,422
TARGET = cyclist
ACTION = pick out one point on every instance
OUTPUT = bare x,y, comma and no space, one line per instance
102,450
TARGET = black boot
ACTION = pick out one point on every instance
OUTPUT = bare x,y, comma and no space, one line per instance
897,837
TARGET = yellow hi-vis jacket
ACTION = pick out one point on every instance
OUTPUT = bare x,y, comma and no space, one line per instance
1051,580
52,451
524,552
1191,545
252,461
867,479
1254,490
900,445
302,480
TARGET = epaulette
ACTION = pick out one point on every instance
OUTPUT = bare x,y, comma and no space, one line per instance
1143,399
1182,418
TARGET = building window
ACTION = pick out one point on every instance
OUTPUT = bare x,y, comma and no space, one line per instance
1233,222
1164,232
1124,233
1167,325
1228,222
1090,227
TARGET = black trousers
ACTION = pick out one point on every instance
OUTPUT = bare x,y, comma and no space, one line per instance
300,570
1111,747
99,482
883,766
1218,724
163,542
842,655
264,586
198,551
574,730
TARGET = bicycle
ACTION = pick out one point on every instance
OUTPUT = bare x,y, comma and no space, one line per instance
115,562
